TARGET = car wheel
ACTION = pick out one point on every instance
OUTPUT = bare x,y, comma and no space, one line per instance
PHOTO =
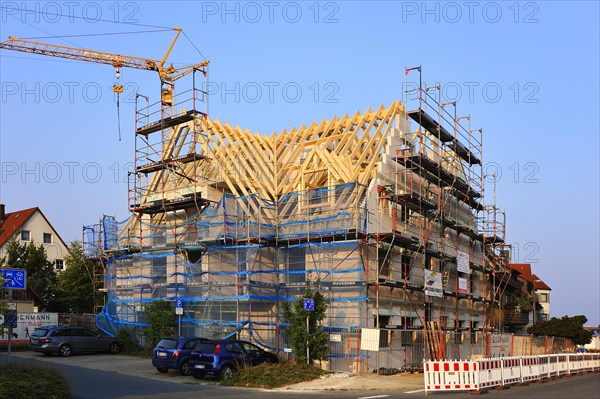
162,370
114,348
227,373
185,369
198,376
65,350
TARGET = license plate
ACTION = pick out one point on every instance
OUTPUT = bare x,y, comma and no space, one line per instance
199,366
162,354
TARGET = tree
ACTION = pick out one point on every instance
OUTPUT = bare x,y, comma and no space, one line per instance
75,288
41,277
566,327
161,320
297,332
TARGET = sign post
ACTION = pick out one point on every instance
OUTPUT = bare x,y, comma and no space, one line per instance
179,312
14,279
309,305
10,319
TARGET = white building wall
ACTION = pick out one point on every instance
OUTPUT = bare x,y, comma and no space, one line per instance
37,226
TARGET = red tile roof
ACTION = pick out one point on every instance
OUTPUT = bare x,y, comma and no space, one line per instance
525,270
13,222
539,284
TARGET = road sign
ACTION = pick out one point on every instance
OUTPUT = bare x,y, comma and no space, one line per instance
10,318
309,304
15,279
179,306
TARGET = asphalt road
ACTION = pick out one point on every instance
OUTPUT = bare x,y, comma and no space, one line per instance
93,384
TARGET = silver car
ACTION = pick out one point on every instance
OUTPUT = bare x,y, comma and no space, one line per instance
67,340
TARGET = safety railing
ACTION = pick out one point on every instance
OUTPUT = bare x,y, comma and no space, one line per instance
481,374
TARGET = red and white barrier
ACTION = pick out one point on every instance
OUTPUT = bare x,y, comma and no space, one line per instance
563,364
530,368
490,373
511,370
456,375
474,375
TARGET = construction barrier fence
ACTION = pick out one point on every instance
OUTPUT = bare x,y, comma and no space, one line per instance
481,374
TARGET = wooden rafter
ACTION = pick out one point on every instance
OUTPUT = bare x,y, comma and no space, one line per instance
331,152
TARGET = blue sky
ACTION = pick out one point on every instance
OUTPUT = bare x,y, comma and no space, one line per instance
527,72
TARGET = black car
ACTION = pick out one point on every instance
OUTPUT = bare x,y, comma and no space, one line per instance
222,357
65,340
174,354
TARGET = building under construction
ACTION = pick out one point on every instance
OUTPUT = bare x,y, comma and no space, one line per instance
384,208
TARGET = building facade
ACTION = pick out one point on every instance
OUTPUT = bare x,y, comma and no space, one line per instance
31,225
383,211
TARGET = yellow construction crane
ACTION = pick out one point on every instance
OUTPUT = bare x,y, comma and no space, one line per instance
168,75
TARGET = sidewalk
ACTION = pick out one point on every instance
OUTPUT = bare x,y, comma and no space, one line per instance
141,367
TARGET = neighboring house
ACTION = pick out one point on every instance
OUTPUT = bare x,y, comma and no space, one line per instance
538,290
30,225
594,345
515,303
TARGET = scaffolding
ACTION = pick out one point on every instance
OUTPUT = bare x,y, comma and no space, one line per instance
387,220
430,270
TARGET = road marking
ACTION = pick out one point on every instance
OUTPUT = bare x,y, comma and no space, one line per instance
373,397
418,390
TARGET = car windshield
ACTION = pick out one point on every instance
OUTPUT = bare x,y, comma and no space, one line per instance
167,344
40,332
204,347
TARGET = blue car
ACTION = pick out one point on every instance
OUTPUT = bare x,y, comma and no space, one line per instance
174,354
221,358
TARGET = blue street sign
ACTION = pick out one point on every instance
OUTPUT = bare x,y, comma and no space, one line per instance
309,304
15,279
10,318
179,304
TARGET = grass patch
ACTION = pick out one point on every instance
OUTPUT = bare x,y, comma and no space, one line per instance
32,382
274,375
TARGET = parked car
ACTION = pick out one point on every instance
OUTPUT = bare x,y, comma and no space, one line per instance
222,357
174,354
65,340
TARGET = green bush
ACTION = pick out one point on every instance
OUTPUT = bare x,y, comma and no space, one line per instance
130,346
161,319
32,382
274,375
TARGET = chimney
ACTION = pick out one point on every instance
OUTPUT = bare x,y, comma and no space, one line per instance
2,212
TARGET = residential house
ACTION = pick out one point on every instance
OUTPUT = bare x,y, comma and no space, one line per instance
31,225
538,290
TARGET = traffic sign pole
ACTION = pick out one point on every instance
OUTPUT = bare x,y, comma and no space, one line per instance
309,305
10,329
307,341
178,312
